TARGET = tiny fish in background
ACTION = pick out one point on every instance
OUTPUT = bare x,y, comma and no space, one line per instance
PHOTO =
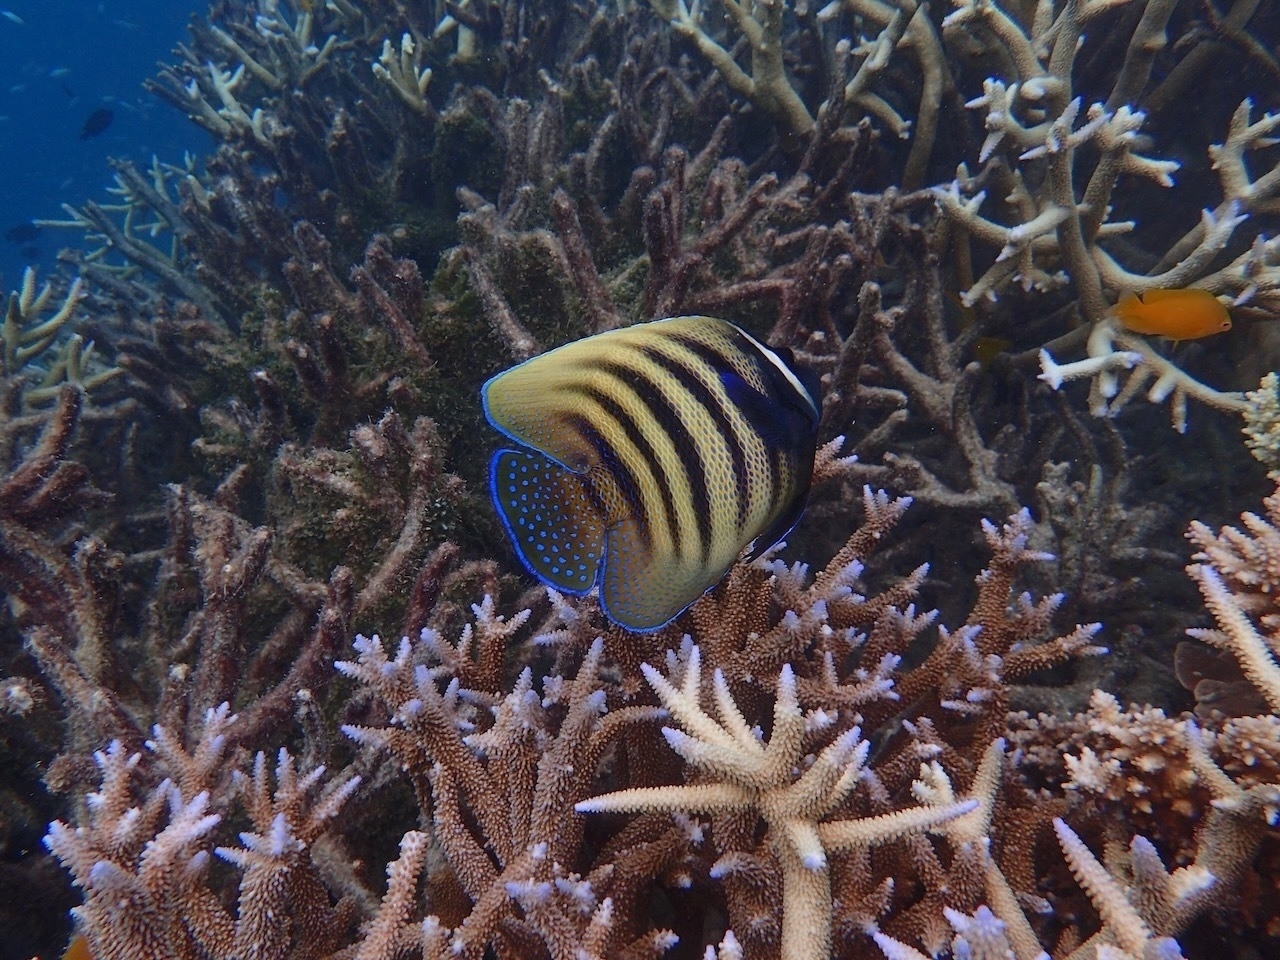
1177,314
23,232
652,456
13,17
97,122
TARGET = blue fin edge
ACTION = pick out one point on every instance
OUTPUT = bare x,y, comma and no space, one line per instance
514,538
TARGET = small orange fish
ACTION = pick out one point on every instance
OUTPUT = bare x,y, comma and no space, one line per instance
986,349
1187,314
78,949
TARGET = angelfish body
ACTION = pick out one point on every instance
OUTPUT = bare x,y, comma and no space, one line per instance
1187,314
651,456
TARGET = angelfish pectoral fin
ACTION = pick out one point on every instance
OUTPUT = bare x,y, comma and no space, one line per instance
554,523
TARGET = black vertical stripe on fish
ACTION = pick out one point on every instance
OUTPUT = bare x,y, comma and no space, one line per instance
618,470
799,390
803,412
593,495
685,444
638,440
688,450
759,410
706,398
786,519
711,403
794,397
775,478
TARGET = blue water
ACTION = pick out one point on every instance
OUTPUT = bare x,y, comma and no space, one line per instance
67,59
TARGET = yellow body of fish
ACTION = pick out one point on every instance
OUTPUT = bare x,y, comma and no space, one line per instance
1177,314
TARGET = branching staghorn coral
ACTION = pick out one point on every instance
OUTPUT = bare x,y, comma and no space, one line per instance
770,88
143,856
1039,133
816,621
37,354
1160,774
716,239
1206,795
1236,572
339,154
40,493
745,777
26,336
277,53
123,233
511,781
766,85
218,579
404,75
214,570
495,761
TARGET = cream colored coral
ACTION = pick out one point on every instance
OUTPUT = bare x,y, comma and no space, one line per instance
748,775
1122,924
1262,424
1238,572
401,71
1112,350
25,335
1258,656
766,85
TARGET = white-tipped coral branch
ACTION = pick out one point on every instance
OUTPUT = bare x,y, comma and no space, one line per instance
36,351
404,74
746,775
1112,350
1123,925
143,856
1238,572
1059,196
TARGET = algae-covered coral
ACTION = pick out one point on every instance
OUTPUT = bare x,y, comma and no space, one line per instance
948,719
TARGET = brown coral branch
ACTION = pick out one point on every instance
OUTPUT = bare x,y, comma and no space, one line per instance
519,340
391,290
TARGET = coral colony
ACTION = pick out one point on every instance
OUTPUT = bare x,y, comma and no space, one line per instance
274,684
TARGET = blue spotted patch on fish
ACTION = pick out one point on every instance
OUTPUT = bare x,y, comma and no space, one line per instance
650,457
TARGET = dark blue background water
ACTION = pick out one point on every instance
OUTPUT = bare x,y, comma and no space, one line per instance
107,48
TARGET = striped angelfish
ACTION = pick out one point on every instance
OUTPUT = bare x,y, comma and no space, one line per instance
650,457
